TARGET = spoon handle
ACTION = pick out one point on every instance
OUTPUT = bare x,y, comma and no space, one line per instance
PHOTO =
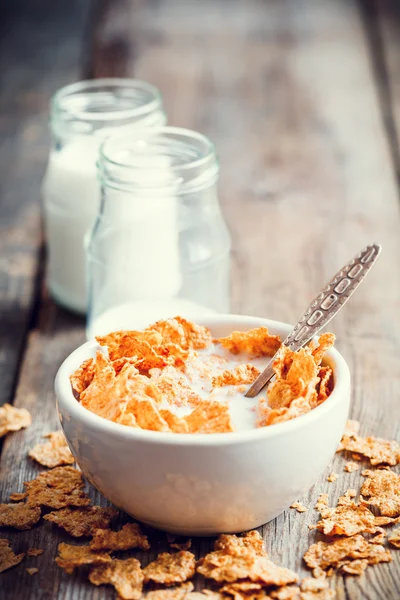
323,308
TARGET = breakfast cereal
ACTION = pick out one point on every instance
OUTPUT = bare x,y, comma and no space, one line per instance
378,451
13,419
299,507
57,488
83,521
7,557
35,551
130,536
394,538
171,568
70,557
53,453
32,570
351,466
332,477
381,489
177,593
173,377
348,519
125,575
19,516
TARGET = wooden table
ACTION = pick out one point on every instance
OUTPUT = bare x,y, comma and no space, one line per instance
302,98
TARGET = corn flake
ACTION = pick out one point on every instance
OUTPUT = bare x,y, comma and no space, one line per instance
378,451
332,477
348,519
299,507
381,489
322,502
173,387
256,342
210,417
233,544
85,521
183,333
7,557
242,374
19,516
53,453
325,385
32,570
171,568
181,545
350,467
13,419
177,593
35,551
83,377
125,575
235,558
130,536
394,538
57,488
70,557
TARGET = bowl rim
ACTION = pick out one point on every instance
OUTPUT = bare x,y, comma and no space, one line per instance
65,397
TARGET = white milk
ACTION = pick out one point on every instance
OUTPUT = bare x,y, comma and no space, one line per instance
244,411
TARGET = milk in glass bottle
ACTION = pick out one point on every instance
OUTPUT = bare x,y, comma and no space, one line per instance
82,116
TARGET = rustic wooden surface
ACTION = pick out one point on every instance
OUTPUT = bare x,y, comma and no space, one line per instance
302,99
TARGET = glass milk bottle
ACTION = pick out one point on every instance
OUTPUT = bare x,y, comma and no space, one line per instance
160,246
82,115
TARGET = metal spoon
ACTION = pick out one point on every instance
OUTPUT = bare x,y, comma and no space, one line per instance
321,310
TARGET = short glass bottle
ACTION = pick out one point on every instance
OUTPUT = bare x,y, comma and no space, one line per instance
160,246
82,115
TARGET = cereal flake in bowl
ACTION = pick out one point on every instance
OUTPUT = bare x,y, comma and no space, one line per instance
158,421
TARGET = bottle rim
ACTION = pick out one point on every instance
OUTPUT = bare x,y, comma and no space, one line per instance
194,160
64,108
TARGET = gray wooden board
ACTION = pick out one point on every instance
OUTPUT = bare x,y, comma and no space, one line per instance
286,91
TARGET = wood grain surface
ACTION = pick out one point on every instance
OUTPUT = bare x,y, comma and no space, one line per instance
288,92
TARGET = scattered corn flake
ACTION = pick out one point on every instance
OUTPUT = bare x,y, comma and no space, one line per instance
171,568
322,502
177,593
354,567
57,488
182,545
348,519
244,590
70,557
381,489
13,419
130,536
299,507
236,558
7,557
233,544
256,342
35,551
394,538
308,584
339,552
84,521
350,467
18,496
210,417
242,374
32,570
19,516
379,538
332,477
347,497
289,592
53,453
83,376
125,575
205,595
378,451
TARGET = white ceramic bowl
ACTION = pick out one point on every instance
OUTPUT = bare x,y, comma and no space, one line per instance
204,484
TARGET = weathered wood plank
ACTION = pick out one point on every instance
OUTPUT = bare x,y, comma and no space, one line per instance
286,91
39,52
